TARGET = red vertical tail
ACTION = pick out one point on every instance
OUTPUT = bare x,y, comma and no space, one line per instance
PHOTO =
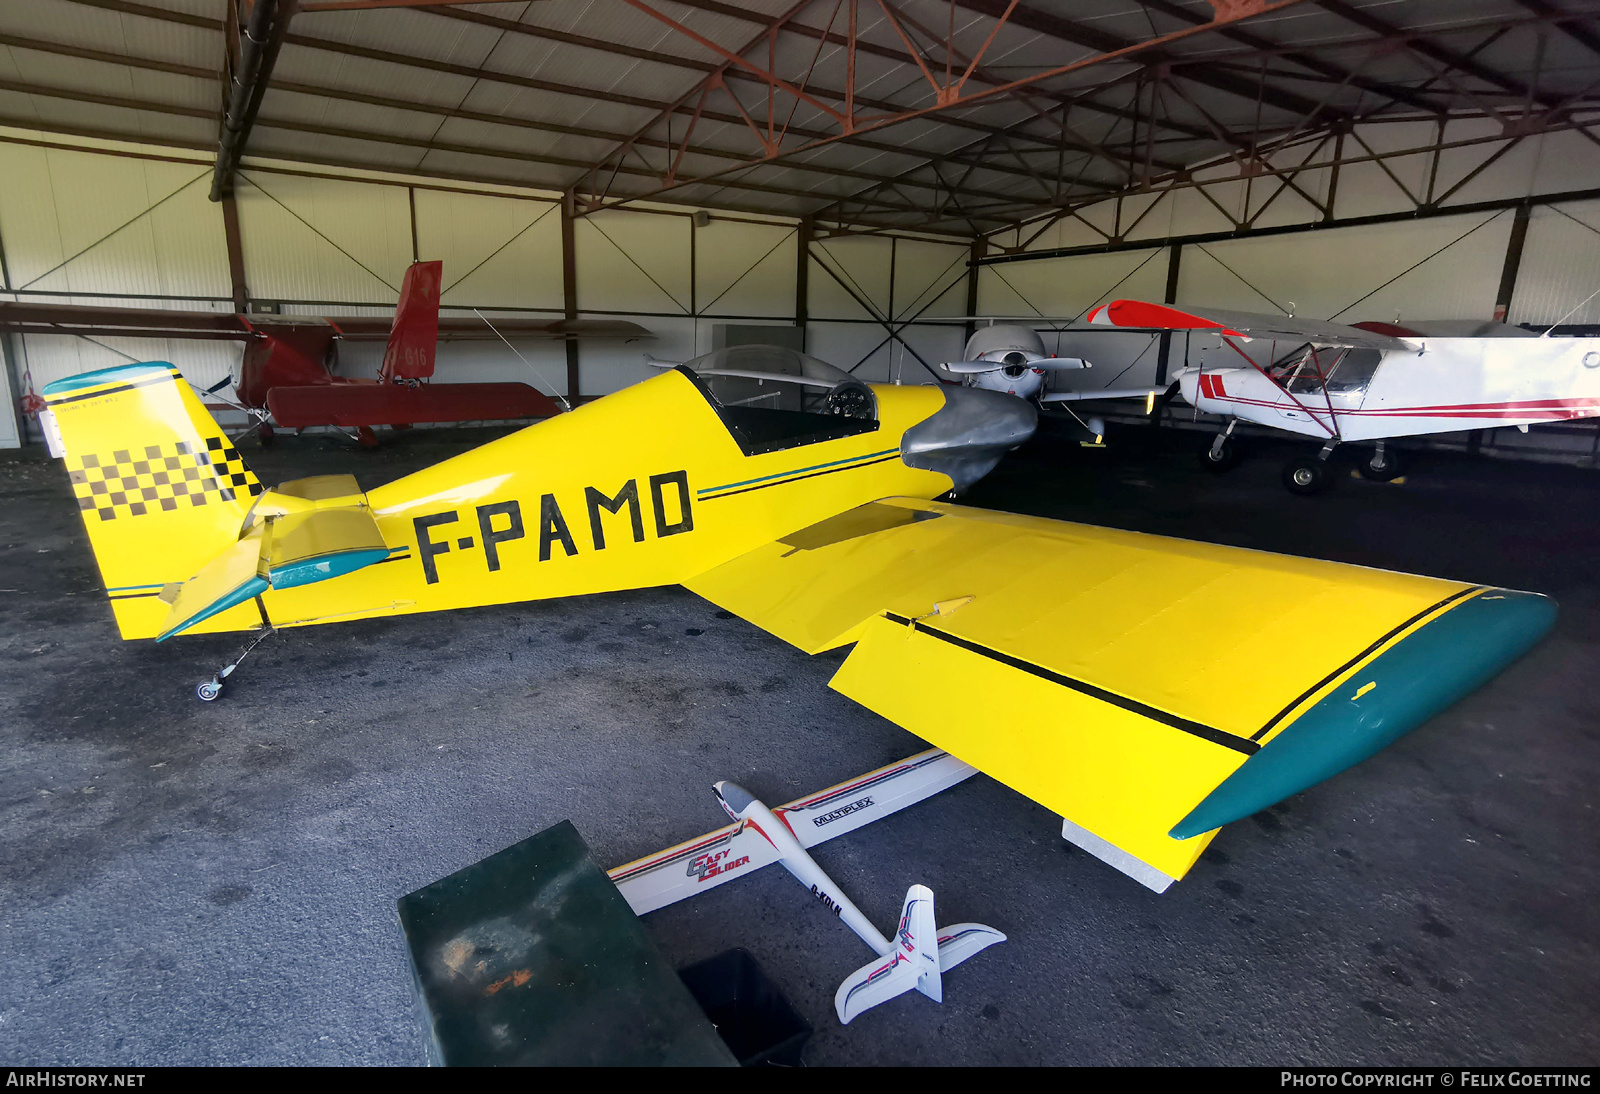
415,333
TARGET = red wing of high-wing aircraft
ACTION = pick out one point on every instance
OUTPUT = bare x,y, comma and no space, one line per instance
287,368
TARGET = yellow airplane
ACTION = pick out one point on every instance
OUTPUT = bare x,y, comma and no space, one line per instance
1157,690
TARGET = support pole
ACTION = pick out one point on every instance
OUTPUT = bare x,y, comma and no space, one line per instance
980,247
569,288
802,279
230,231
1508,272
1174,258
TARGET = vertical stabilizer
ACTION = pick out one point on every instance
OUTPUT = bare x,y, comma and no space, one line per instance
415,334
912,963
161,490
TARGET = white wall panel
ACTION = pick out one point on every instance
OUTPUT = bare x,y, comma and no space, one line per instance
286,258
498,252
1560,266
54,356
1567,161
930,279
862,263
1323,274
633,261
610,366
57,203
745,269
1068,287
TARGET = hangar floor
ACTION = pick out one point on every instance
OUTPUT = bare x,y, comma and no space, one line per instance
188,883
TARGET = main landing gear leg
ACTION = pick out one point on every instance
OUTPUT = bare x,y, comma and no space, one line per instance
1310,475
1222,453
208,690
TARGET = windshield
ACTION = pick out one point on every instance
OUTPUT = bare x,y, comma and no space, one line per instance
735,391
767,412
1344,371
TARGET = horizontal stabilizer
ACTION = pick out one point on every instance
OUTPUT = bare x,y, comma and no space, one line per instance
231,578
290,548
912,964
960,941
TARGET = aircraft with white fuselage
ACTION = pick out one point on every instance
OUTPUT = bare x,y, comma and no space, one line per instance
1348,384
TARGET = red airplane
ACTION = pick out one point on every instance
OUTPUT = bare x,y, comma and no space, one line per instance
287,370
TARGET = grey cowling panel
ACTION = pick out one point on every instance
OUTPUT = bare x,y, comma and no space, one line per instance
966,437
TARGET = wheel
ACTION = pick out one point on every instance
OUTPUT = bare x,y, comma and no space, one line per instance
264,436
1306,477
1381,469
207,691
1218,462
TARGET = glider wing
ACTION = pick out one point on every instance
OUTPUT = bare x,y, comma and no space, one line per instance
1152,689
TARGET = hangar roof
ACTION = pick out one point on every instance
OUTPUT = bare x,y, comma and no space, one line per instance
954,116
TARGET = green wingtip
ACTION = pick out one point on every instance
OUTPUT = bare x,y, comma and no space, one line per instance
1413,680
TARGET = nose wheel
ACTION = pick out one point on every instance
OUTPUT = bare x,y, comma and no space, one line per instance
1305,477
1220,454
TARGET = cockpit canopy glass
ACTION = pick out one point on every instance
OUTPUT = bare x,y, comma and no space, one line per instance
772,398
1344,371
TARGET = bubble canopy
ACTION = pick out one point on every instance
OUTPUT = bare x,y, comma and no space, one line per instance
769,359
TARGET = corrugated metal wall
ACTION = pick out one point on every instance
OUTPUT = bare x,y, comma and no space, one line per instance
84,225
88,226
1434,268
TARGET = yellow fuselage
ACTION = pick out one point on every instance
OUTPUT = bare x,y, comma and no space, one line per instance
665,494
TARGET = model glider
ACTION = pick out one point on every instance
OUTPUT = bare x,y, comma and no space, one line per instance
918,955
287,368
1369,382
1111,696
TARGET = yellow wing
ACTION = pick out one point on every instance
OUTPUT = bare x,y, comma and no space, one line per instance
1147,689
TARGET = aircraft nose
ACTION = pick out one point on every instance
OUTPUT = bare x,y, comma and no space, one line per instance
734,798
967,436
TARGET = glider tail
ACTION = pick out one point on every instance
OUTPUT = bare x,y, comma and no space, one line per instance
921,954
911,963
161,490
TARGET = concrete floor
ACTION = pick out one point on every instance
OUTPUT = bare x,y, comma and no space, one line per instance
189,884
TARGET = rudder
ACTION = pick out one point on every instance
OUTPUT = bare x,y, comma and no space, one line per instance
160,488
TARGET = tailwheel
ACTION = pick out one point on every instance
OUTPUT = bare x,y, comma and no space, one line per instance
1220,454
264,435
1306,476
207,690
1383,465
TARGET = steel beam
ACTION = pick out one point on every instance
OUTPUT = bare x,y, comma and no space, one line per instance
247,71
